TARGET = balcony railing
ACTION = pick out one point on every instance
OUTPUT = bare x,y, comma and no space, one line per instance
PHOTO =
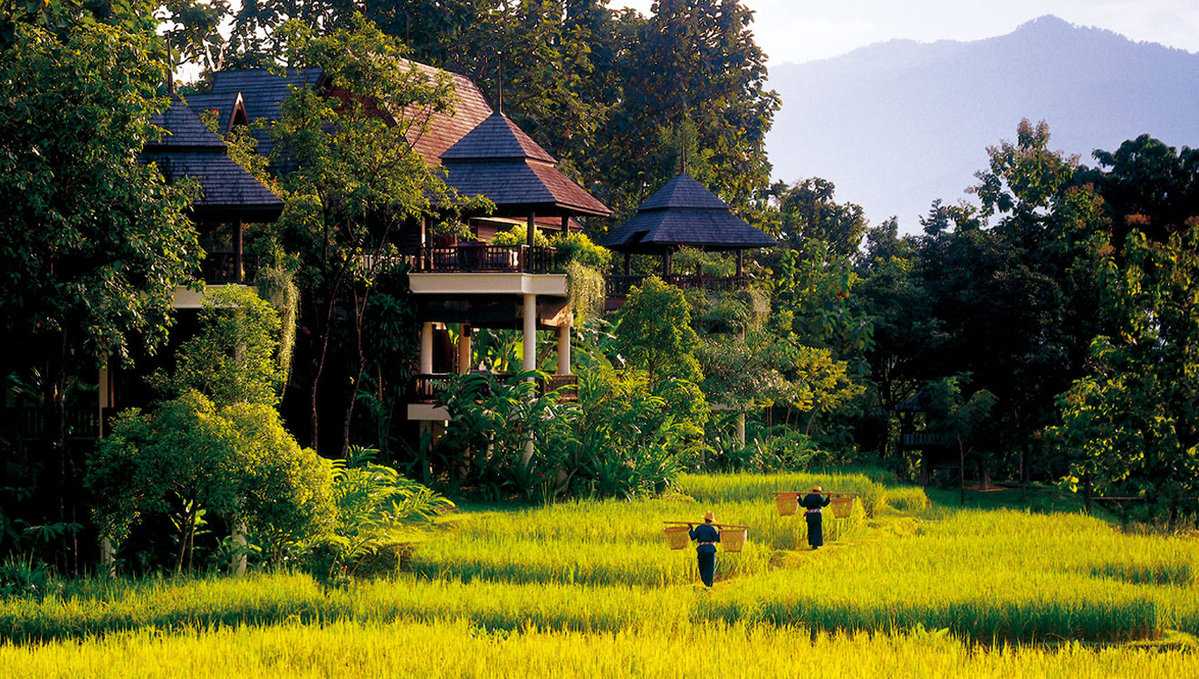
487,259
221,267
619,285
427,387
28,423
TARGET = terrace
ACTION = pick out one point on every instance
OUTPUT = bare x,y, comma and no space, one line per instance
426,387
482,258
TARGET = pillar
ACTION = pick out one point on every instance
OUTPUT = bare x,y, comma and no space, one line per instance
464,349
426,349
741,428
530,361
564,350
530,333
238,272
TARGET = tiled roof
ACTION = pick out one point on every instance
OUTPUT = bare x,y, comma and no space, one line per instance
192,150
499,161
685,213
519,186
496,138
683,192
263,93
484,152
221,102
443,130
183,130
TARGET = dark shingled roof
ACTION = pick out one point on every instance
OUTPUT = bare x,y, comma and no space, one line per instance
222,102
497,138
685,213
499,161
189,149
184,131
262,91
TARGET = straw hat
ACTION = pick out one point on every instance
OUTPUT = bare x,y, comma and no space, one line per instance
817,489
710,516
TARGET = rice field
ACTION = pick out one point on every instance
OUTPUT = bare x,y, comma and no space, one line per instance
591,589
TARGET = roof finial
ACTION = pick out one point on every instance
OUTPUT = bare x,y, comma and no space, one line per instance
170,70
500,68
683,163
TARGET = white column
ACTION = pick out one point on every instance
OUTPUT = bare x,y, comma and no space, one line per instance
530,360
564,350
530,344
464,349
426,349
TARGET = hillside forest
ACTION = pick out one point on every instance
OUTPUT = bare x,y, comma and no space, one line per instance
1044,334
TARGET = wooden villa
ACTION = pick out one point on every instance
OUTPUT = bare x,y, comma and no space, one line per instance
472,285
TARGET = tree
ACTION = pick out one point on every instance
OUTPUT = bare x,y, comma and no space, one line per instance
357,180
697,60
1131,426
654,332
233,358
1013,287
92,243
1147,186
809,213
952,416
188,459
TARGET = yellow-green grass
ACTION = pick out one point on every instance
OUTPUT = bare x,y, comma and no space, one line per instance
987,575
459,648
603,568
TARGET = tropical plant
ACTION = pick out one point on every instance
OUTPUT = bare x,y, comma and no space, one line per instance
372,506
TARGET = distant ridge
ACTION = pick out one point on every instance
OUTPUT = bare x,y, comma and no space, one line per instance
898,124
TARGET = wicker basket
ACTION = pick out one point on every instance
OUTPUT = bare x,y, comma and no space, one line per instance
677,536
733,539
842,507
786,503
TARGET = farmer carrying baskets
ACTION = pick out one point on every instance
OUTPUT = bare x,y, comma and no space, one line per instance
705,552
812,504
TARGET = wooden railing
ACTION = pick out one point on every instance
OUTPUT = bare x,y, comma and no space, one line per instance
487,259
924,440
28,423
221,267
619,285
427,387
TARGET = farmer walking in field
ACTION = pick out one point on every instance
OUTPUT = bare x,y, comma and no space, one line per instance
705,552
812,503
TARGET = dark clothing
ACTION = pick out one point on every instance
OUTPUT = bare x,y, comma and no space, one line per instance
705,551
812,503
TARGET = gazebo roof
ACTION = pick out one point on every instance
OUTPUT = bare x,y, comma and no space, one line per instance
189,149
684,212
499,161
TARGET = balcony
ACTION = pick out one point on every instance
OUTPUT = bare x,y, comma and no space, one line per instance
427,387
479,258
220,267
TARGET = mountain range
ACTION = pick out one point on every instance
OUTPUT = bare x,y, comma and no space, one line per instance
898,124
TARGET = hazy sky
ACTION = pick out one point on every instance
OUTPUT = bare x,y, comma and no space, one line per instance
805,30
